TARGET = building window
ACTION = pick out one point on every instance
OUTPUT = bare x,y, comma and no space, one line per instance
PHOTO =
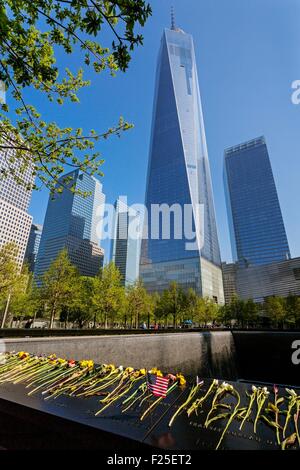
297,273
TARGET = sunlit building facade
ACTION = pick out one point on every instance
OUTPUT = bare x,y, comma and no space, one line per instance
15,222
179,174
73,222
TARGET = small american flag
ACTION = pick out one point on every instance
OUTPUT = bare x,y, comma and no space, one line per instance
157,385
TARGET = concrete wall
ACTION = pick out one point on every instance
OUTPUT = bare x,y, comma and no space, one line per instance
206,354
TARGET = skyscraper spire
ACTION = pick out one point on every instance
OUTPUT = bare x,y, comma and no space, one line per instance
173,27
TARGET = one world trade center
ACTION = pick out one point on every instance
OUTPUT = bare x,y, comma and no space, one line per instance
179,176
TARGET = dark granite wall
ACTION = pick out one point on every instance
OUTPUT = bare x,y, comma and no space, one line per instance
247,355
266,356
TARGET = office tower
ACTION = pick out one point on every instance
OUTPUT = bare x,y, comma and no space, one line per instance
15,222
179,173
256,226
33,245
258,282
229,281
72,223
125,245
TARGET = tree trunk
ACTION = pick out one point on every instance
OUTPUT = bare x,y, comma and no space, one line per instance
5,311
52,318
94,324
148,321
105,321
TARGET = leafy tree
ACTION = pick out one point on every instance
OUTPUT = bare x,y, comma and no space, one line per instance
237,311
275,309
172,303
109,295
24,299
32,33
138,304
80,309
292,305
191,305
9,269
251,310
162,307
207,311
59,285
225,315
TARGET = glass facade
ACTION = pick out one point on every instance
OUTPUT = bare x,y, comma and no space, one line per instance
71,223
125,249
262,281
179,173
33,245
256,226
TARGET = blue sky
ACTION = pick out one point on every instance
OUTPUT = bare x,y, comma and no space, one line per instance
247,56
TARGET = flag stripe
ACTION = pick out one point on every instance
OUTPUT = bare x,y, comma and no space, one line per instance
158,385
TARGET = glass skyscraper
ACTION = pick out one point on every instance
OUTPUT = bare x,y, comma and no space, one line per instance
256,226
33,245
125,248
179,173
71,223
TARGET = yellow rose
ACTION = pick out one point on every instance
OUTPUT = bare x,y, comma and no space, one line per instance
181,379
23,355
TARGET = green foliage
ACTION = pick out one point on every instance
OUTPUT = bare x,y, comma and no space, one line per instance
24,297
274,308
31,33
172,304
240,312
80,310
9,270
139,304
293,310
103,300
59,286
207,311
109,295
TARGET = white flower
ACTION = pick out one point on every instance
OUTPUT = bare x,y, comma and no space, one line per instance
254,389
121,368
291,392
